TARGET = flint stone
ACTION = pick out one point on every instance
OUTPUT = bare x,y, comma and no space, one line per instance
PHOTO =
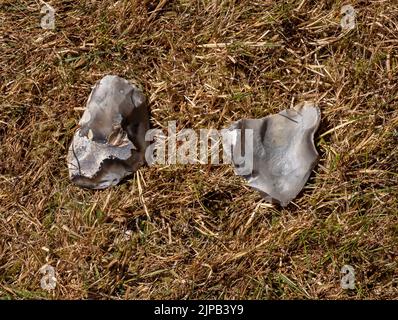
109,144
284,153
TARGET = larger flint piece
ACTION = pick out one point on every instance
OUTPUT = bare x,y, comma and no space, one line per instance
282,154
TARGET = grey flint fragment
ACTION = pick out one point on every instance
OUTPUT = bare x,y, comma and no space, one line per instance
284,153
110,141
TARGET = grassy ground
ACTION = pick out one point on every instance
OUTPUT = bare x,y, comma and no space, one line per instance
198,231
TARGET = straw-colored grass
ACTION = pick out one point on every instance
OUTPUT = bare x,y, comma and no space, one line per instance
197,231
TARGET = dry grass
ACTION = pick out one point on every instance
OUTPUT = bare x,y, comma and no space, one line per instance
197,231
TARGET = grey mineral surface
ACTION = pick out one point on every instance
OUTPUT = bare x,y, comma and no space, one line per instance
110,141
283,151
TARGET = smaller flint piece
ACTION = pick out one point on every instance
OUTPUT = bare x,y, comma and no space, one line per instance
110,142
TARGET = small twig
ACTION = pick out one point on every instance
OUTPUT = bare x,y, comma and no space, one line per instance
157,9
